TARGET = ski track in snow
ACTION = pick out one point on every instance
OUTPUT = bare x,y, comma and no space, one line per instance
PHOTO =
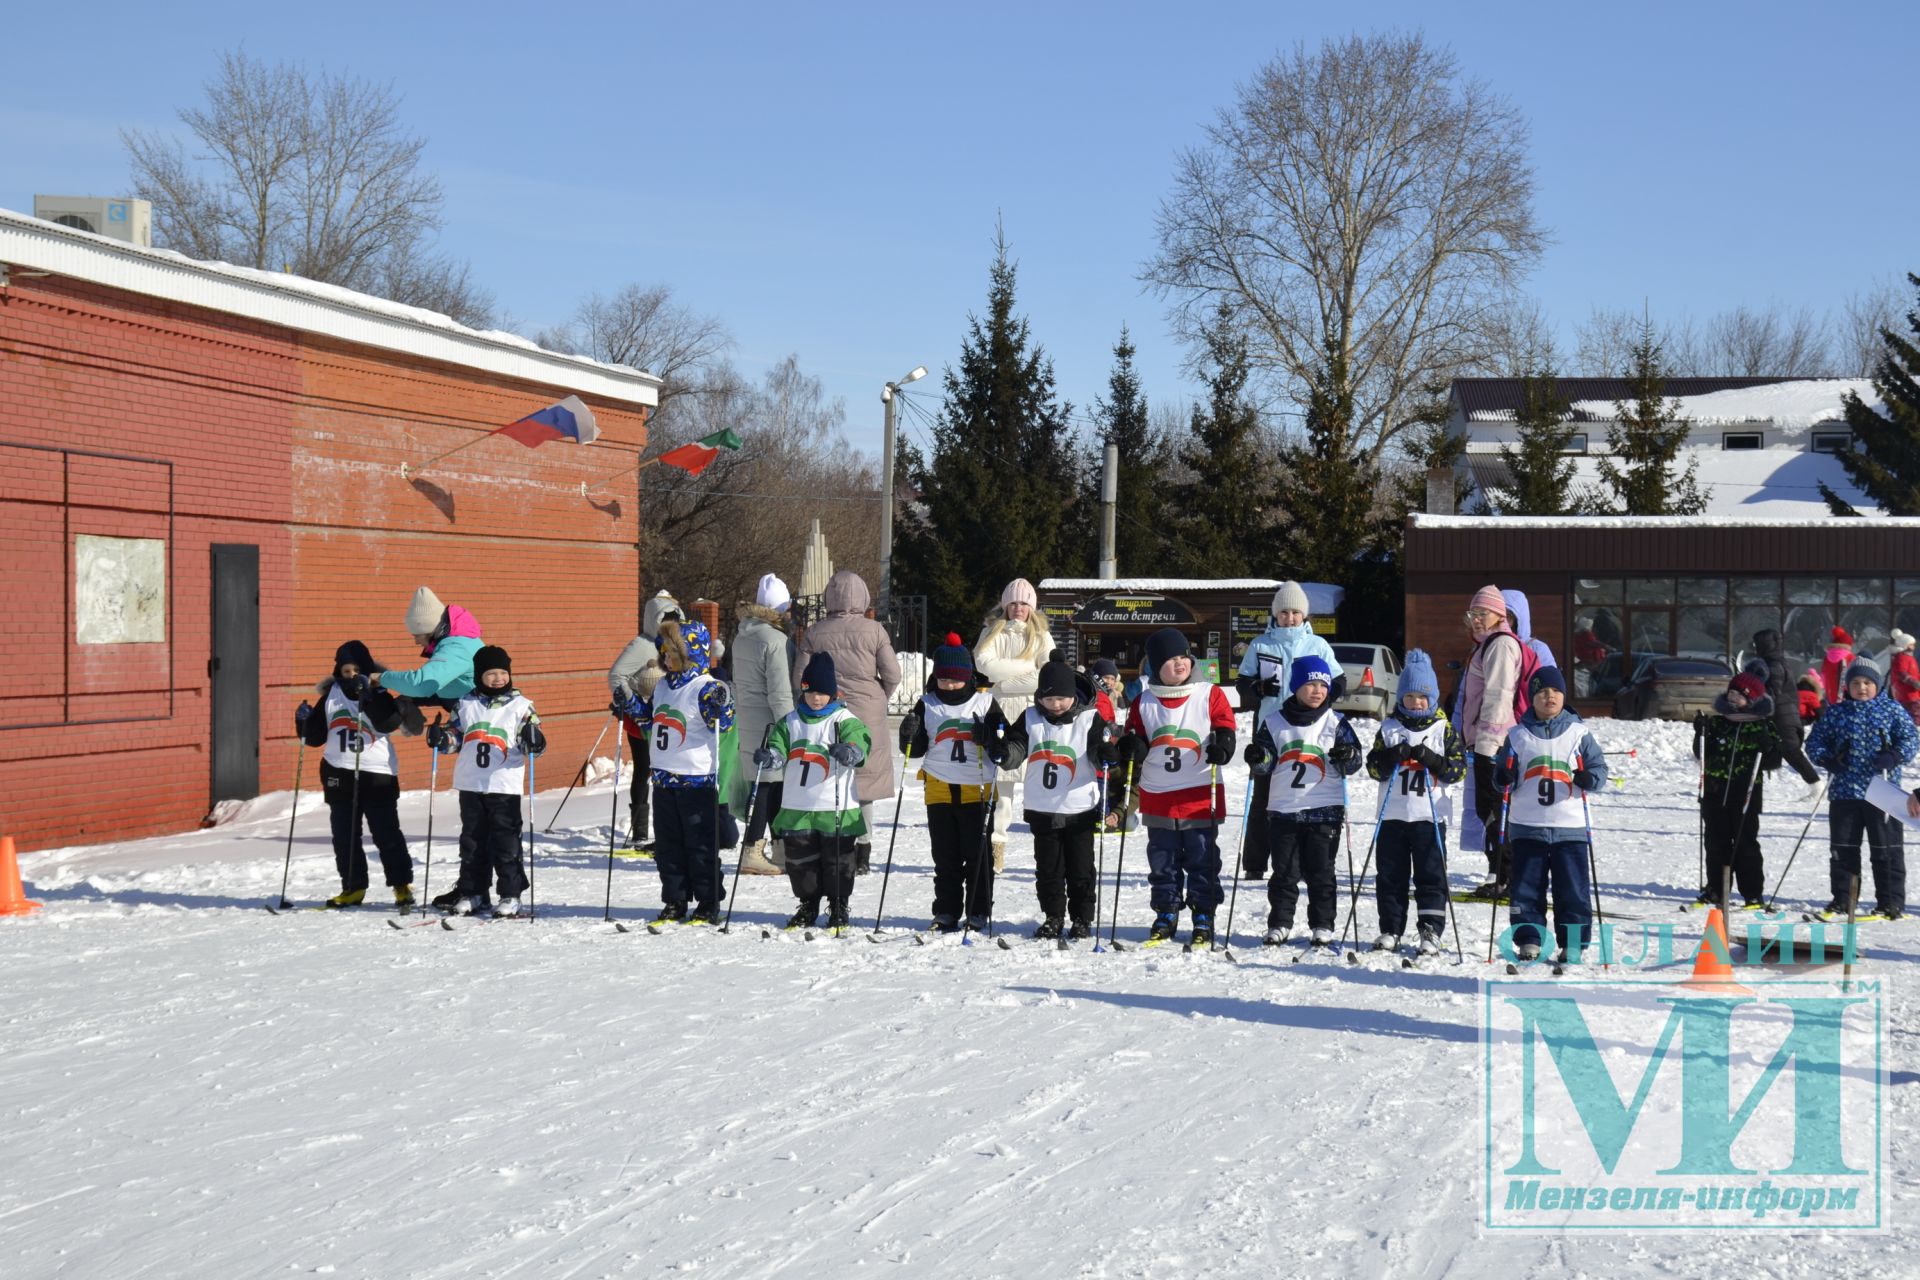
192,1087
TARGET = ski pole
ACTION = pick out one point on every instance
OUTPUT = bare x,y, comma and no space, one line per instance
1593,879
983,869
1246,813
299,763
530,794
726,926
433,785
613,821
356,849
1353,906
580,777
1100,865
1819,795
1446,876
1120,861
1493,903
880,913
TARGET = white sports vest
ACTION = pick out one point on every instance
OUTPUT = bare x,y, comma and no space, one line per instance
679,736
347,728
1176,741
1303,777
1416,796
813,781
1062,776
952,755
1543,790
490,758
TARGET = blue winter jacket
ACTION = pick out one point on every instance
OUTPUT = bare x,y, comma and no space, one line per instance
1523,615
1587,755
1285,644
716,702
1850,733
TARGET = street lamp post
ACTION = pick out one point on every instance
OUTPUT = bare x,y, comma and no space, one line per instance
887,450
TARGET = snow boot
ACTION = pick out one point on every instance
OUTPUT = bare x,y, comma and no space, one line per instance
450,900
754,860
505,908
403,898
347,898
1081,930
471,907
999,854
1276,936
806,917
1323,937
1049,928
945,924
1491,889
1528,952
704,913
1429,940
862,858
671,913
1164,924
837,921
1386,942
1202,935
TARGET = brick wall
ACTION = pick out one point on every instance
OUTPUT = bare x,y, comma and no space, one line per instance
291,442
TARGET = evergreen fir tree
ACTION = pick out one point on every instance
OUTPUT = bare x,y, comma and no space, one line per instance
1540,472
1000,487
1644,441
1331,490
1222,505
1885,459
1141,546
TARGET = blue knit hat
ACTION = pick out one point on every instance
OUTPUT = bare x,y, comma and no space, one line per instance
1546,678
1309,667
819,676
1863,668
1417,677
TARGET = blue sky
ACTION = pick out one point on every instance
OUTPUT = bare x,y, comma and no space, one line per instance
826,178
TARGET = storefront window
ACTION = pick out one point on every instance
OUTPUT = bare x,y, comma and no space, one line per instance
1602,590
1703,590
1649,590
1871,626
1864,591
1756,590
1702,633
1597,658
1906,591
1810,591
1808,627
1748,621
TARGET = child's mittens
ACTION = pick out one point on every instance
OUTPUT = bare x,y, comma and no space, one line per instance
626,706
1502,774
1885,760
1259,760
1429,759
845,754
1219,746
1344,754
439,738
1132,747
530,739
910,728
989,742
763,758
300,714
1101,745
1585,780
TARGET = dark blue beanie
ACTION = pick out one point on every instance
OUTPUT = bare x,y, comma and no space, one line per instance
819,676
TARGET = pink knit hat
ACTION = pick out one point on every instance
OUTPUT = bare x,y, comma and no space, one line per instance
1490,599
1019,591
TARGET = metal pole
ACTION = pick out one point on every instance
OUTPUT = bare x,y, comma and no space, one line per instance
886,498
1109,499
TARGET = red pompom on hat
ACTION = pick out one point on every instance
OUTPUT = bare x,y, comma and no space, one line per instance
1840,636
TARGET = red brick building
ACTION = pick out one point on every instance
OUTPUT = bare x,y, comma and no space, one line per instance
181,440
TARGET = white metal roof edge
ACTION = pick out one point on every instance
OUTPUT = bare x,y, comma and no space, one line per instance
32,244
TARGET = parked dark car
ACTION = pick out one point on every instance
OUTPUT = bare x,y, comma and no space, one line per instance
1671,688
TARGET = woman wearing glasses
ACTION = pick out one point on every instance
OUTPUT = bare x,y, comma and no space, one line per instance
1488,708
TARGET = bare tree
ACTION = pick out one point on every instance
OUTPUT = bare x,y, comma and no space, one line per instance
1519,340
1756,342
1362,194
642,326
1864,317
309,175
1604,343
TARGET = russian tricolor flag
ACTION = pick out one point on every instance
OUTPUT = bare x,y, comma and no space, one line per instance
569,420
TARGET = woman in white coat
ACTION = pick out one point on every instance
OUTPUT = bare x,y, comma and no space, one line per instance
1012,648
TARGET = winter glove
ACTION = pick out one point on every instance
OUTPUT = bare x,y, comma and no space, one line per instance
1132,747
1430,760
1585,780
1219,746
845,754
1407,752
353,688
989,742
1502,774
1885,759
1837,758
1270,687
910,728
439,739
1100,743
627,707
530,739
300,714
1344,755
764,758
1699,732
1259,760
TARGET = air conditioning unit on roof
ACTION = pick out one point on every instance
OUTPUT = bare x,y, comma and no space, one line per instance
119,219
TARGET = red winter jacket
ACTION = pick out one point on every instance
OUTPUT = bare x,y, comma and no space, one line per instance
1194,803
1903,681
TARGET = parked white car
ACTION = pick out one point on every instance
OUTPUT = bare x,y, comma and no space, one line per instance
1373,679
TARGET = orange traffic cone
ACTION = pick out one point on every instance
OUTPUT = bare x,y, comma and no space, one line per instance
1712,970
13,902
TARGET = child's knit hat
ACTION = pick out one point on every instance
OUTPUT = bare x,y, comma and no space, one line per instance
1839,636
491,657
1862,668
1163,646
1748,686
1309,667
1056,681
951,661
1546,678
819,677
1418,677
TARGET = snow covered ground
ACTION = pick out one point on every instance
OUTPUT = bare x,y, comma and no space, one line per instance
190,1086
